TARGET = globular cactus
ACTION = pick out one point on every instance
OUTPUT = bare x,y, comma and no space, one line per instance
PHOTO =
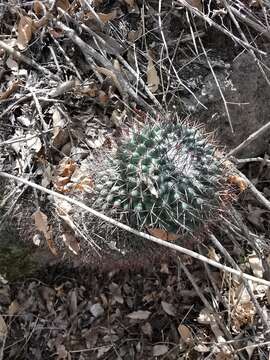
166,175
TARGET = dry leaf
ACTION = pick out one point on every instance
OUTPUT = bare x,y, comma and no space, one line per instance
134,35
3,328
25,31
164,269
41,222
66,168
62,353
62,4
152,75
159,350
14,308
50,242
185,333
103,17
168,308
38,8
111,75
139,315
243,315
10,90
12,64
147,329
256,3
196,3
103,97
238,181
71,242
162,234
103,350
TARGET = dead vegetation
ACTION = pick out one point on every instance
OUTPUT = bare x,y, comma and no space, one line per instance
76,75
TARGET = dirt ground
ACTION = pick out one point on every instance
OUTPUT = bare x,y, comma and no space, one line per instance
75,77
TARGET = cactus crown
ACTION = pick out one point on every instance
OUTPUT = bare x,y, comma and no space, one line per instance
165,176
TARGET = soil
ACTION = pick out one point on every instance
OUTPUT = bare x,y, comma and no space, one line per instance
58,302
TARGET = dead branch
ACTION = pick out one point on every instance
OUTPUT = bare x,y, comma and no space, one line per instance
249,140
136,232
18,56
219,27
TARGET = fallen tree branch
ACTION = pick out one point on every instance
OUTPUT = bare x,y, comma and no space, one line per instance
136,232
18,56
251,138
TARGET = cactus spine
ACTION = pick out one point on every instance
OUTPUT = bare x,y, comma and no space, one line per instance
166,175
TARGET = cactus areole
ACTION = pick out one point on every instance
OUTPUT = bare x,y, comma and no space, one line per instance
165,175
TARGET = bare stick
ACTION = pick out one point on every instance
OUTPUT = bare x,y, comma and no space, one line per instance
218,86
219,27
243,36
259,196
136,232
90,54
246,283
264,31
249,140
218,327
17,55
248,160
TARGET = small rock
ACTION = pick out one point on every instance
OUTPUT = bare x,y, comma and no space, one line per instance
97,310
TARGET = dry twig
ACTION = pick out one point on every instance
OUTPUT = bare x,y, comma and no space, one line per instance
136,232
249,140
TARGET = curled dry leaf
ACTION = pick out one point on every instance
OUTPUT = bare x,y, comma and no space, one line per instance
139,315
25,31
38,8
10,90
152,75
239,182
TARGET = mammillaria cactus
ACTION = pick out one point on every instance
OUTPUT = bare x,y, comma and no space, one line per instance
165,175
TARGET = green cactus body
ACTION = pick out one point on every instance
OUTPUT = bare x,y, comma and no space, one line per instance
163,176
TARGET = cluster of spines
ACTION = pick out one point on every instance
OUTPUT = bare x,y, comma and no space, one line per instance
165,175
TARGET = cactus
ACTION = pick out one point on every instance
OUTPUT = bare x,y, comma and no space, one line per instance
166,175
